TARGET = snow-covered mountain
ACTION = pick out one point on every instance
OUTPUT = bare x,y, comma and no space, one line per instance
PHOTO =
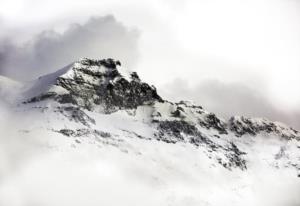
136,148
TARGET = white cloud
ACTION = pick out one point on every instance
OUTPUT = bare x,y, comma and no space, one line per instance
229,99
102,37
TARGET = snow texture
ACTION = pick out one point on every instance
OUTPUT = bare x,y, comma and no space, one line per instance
94,133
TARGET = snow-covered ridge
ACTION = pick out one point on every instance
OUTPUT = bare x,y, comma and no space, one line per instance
88,93
105,86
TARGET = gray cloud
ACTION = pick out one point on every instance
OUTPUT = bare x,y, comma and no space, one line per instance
228,99
100,37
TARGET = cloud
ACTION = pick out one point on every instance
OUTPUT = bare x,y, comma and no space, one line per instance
228,99
100,37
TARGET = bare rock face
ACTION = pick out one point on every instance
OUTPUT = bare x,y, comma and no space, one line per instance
253,126
100,83
181,131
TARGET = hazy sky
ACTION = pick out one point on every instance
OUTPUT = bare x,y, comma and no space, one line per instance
233,57
50,50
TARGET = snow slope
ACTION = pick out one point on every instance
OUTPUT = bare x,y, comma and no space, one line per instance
95,134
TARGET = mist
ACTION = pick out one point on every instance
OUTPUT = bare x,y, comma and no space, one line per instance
230,99
48,51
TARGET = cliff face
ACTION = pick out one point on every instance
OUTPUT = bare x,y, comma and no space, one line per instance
99,83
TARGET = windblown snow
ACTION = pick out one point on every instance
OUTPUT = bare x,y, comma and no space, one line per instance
93,133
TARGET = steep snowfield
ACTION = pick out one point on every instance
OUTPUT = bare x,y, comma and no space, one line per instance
131,171
63,150
44,83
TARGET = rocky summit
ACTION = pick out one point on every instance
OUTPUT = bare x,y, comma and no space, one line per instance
90,83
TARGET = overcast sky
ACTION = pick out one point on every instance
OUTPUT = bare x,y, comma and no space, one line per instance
233,57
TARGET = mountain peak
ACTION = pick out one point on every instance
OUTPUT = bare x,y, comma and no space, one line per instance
94,85
105,86
76,99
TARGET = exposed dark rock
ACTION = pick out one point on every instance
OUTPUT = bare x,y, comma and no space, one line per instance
40,97
242,125
175,131
177,128
180,131
186,104
126,95
66,98
154,115
212,121
135,76
76,114
109,63
235,157
67,132
104,86
176,113
84,133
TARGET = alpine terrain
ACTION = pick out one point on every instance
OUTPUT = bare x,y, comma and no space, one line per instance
93,133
